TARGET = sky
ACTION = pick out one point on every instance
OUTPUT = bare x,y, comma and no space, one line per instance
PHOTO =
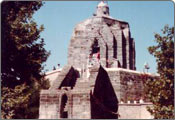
145,18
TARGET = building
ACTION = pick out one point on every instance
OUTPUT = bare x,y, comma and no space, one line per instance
100,80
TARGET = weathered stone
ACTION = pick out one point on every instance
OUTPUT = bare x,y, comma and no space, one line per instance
112,39
99,76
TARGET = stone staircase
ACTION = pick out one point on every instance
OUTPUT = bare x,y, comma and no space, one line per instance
83,84
60,78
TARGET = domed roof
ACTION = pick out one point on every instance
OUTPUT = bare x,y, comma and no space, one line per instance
102,4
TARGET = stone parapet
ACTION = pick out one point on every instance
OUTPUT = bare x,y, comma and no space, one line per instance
134,111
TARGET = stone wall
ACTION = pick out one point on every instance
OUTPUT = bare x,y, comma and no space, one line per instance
49,104
53,106
80,107
96,96
52,76
128,84
134,111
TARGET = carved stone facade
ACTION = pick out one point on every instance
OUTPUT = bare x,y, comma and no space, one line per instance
105,35
100,79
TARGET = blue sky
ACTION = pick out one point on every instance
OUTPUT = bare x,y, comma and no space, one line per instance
145,18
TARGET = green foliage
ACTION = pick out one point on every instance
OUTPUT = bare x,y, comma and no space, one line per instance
14,100
23,55
161,91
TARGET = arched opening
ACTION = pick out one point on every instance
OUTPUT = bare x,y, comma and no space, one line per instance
64,107
95,47
114,47
94,56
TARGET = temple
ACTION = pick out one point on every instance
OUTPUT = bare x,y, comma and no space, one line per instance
104,35
100,80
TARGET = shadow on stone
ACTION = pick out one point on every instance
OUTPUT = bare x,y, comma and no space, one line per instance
63,111
70,79
104,102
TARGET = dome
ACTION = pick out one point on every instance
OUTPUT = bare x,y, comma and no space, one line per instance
102,9
102,4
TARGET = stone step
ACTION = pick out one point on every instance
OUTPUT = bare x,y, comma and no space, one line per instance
82,85
60,77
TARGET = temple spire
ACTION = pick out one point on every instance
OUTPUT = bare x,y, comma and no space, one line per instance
102,9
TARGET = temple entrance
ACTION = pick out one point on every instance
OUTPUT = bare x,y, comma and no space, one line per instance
94,57
64,107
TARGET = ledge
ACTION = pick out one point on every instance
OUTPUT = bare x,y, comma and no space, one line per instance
131,71
134,104
53,71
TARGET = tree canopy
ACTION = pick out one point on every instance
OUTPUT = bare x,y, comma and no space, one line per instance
23,56
161,91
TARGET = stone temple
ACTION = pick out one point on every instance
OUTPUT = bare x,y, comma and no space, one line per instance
105,35
100,80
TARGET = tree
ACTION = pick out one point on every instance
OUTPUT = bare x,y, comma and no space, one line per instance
23,57
161,91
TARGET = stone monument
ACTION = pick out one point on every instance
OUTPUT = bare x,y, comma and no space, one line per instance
106,35
100,80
